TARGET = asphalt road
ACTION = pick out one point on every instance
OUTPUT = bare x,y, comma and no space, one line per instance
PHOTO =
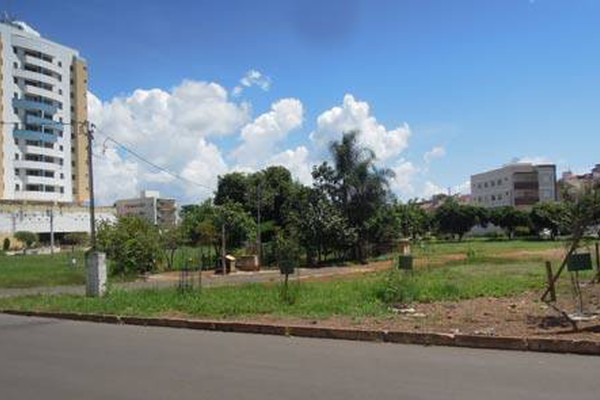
50,359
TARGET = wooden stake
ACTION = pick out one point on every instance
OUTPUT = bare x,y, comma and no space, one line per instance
551,289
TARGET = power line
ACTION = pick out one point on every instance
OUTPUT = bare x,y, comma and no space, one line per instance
152,164
123,147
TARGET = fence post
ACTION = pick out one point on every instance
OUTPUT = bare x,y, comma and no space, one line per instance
549,276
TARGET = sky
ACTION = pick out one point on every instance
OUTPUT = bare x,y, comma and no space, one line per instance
440,90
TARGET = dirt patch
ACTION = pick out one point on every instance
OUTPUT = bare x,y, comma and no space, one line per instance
519,316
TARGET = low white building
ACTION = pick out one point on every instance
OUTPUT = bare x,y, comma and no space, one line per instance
520,185
151,207
46,218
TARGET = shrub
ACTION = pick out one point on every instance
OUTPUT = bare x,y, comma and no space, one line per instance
6,244
398,287
131,245
27,238
76,238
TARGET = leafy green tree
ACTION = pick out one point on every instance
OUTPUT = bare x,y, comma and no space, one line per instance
355,185
509,219
232,187
411,219
550,216
76,238
171,239
456,219
27,238
132,245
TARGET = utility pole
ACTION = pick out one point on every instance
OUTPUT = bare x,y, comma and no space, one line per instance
50,213
89,128
95,261
258,237
223,251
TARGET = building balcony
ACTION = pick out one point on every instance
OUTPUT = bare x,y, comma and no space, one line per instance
34,105
43,151
38,91
43,165
49,123
41,63
41,180
36,76
35,135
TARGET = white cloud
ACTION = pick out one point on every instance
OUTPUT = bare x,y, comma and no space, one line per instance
431,189
260,137
252,78
403,181
169,128
532,160
356,115
436,152
297,161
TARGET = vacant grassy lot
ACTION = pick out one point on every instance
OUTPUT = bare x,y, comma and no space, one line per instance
41,270
357,297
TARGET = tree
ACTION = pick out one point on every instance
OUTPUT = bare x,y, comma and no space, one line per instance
411,219
355,185
232,187
509,218
132,244
456,219
27,238
6,244
76,238
171,239
550,216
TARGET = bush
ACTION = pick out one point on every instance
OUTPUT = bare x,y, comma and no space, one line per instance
27,238
6,244
132,245
76,238
398,287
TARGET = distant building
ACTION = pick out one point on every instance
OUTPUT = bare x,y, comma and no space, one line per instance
45,218
43,150
570,180
151,207
520,185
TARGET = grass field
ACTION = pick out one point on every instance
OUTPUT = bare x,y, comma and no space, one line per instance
365,296
41,270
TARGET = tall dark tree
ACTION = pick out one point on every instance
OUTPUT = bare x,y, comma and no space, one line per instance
509,219
355,185
457,219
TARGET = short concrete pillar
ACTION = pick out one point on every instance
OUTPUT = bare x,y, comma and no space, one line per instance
404,247
95,263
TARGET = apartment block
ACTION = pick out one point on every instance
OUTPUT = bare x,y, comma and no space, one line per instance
520,185
150,206
43,106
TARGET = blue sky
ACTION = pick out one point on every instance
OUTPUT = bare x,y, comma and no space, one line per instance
482,81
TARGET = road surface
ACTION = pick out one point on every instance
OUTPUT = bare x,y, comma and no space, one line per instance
51,359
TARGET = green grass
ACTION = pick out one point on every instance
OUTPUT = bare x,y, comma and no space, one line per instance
367,296
41,270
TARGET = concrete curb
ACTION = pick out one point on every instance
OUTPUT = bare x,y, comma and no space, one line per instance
585,347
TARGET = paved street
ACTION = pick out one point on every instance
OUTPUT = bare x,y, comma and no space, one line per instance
50,359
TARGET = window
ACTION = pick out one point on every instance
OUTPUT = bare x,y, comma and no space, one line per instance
485,184
17,187
16,171
16,141
62,176
60,91
16,95
499,182
60,63
493,183
16,156
16,65
60,147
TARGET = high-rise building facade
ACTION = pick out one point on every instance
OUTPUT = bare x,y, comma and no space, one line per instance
520,185
43,107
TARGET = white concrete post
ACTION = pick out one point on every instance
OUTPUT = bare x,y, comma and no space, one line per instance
96,274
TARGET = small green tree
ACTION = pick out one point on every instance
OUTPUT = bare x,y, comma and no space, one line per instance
132,245
27,238
171,239
77,238
550,216
509,219
457,219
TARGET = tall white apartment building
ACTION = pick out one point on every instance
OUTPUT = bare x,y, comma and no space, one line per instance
43,107
520,185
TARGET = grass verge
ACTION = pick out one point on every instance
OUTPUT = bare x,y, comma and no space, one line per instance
364,296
